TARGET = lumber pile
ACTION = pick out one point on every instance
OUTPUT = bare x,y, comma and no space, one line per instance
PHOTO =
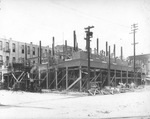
108,90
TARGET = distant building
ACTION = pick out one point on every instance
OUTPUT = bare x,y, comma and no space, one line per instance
142,60
14,52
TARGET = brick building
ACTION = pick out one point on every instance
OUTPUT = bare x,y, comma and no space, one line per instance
14,52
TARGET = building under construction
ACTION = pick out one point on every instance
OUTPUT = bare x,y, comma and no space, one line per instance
69,70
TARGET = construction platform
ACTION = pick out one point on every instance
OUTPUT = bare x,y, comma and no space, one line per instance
72,73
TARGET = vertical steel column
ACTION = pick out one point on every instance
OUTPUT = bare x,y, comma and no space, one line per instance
106,48
121,53
97,46
115,52
40,53
26,54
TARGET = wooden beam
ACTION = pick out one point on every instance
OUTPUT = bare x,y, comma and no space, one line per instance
121,76
80,75
66,77
56,78
127,77
115,78
73,83
39,76
61,79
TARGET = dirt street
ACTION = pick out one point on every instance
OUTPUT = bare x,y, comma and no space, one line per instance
25,105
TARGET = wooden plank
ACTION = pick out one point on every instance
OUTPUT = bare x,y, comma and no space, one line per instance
66,77
115,78
121,76
56,79
127,77
73,83
80,75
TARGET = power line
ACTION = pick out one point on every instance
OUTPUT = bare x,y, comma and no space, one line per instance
83,14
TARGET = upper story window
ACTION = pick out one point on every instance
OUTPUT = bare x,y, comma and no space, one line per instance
22,49
33,50
28,49
14,47
7,58
7,46
1,45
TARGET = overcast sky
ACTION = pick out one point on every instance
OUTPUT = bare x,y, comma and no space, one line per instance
35,20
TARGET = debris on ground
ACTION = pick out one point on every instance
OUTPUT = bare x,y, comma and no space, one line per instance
107,90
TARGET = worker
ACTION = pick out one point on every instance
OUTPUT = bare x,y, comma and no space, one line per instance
132,85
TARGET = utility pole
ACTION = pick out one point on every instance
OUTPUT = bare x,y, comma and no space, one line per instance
89,35
109,67
134,28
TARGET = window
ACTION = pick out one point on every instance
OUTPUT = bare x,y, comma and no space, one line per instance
22,49
1,45
7,46
14,59
7,60
28,49
33,50
14,47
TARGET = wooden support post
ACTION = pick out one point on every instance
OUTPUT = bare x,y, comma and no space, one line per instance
8,80
39,76
74,83
80,75
94,74
66,77
115,77
141,78
47,79
56,78
121,75
127,77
